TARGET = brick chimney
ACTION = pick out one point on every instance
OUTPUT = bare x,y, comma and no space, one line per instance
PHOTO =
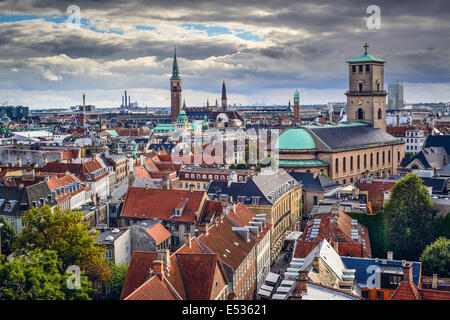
434,282
407,272
301,285
157,269
188,239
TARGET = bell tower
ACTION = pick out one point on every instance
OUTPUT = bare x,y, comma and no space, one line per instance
366,97
175,90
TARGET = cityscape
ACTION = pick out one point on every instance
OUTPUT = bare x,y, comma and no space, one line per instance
191,155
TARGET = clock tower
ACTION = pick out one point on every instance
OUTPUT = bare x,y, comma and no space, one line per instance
175,90
366,97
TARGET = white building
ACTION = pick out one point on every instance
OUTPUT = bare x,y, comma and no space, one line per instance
414,141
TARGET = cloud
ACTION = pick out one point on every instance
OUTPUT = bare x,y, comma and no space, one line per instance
263,49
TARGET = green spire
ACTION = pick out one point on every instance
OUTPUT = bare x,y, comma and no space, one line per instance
175,73
207,102
205,125
184,104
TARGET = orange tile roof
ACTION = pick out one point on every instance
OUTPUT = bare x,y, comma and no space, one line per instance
158,233
243,216
141,172
152,289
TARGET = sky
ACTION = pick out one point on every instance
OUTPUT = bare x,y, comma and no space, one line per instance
264,50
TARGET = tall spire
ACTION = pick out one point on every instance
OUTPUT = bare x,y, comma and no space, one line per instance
175,73
184,104
224,91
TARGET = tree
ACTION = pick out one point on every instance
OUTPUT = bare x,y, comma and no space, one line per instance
115,283
69,236
37,277
8,236
436,258
410,218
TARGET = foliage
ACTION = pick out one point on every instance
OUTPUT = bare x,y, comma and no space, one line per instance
436,258
8,236
37,277
68,235
115,283
443,226
375,224
323,173
410,218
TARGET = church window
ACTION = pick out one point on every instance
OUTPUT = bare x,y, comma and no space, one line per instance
351,163
343,164
337,165
365,161
357,162
371,160
378,158
383,157
360,114
380,114
389,156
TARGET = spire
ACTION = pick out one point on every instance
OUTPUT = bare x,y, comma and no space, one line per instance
365,46
224,91
207,101
184,104
175,73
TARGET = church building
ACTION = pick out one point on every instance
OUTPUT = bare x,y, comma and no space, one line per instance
358,148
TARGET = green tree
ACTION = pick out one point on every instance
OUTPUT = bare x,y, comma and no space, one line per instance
410,218
115,283
436,258
69,236
37,277
8,236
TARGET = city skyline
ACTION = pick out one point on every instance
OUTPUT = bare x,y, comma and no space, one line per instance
264,52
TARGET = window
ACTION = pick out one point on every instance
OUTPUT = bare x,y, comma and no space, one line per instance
108,254
351,163
343,164
383,157
353,69
360,87
398,155
367,67
365,161
389,156
337,165
380,114
315,200
360,114
357,162
371,160
378,158
360,68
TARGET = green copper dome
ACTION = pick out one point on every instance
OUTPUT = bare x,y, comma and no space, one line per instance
295,139
182,118
366,58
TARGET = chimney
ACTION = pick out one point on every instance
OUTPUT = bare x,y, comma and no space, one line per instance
301,285
157,269
147,186
164,256
390,255
336,247
434,282
407,271
187,239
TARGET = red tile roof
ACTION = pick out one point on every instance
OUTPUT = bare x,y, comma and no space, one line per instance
145,203
138,271
340,233
242,216
198,272
158,233
375,189
141,172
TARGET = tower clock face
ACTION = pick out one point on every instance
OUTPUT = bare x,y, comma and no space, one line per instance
360,102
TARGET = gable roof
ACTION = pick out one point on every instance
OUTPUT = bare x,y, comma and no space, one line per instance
309,183
143,203
152,289
438,141
138,271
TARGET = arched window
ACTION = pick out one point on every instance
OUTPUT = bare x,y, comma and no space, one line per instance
378,158
343,164
360,114
389,156
380,114
365,161
360,87
383,157
351,163
357,162
337,165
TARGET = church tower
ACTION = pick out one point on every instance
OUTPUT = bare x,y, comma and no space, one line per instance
366,97
224,97
175,90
